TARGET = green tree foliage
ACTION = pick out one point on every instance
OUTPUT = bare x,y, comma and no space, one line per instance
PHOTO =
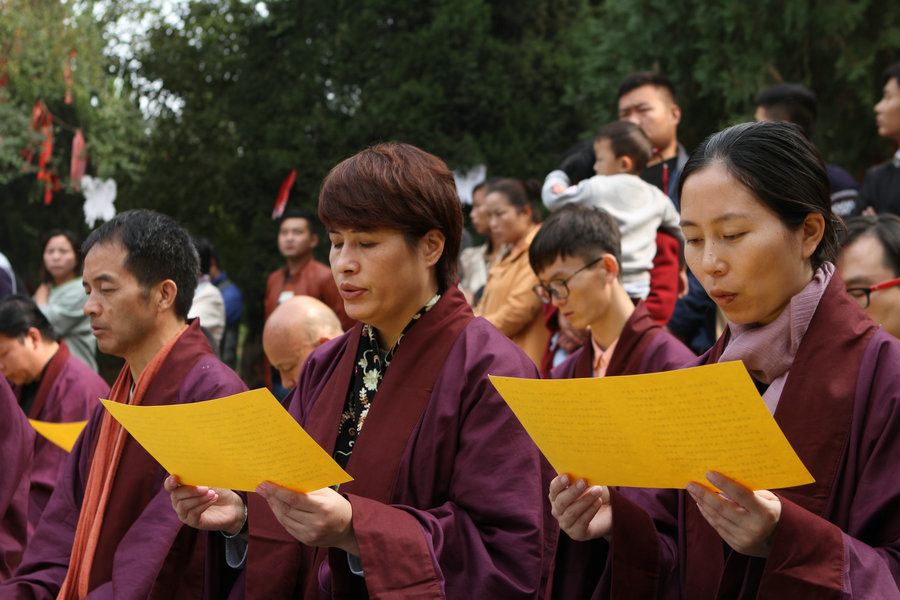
38,41
721,53
310,83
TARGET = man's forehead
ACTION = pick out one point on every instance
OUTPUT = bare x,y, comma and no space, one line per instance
106,260
294,224
645,94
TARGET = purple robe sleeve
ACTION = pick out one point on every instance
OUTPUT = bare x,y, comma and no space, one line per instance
140,555
856,552
489,527
16,441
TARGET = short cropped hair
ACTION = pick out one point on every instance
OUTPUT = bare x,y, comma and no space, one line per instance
311,221
397,186
790,102
158,249
575,230
76,247
18,314
642,78
885,228
781,168
628,139
892,72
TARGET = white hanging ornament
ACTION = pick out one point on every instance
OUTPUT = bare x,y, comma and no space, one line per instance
99,196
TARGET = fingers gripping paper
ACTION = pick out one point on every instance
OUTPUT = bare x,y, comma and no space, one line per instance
660,430
235,442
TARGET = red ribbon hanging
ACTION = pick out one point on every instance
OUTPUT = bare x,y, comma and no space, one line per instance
283,194
79,160
67,74
42,121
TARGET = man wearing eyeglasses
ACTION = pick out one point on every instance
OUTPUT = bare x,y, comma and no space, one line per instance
869,264
575,256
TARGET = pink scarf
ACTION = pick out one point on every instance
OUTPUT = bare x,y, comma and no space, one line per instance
768,351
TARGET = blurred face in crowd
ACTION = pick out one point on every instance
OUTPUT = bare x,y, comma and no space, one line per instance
862,264
60,259
509,224
122,313
383,279
748,261
887,111
295,238
656,113
18,357
479,215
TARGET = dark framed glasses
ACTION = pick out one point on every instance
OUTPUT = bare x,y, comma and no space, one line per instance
558,288
862,294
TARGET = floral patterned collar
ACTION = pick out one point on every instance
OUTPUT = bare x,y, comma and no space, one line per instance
371,364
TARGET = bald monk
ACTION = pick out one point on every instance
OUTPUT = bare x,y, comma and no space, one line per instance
16,440
296,328
108,530
49,383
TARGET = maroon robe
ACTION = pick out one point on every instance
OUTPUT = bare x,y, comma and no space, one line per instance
144,551
838,537
16,441
643,347
449,496
69,391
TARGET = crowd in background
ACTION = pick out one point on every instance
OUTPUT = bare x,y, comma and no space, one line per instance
574,270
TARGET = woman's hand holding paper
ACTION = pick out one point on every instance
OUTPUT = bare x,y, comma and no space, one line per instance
746,520
583,512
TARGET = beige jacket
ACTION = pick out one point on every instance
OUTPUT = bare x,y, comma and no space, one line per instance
510,304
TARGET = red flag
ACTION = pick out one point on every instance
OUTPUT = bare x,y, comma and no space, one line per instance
79,160
283,194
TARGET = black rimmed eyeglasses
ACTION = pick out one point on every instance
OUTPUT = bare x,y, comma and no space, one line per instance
558,288
861,294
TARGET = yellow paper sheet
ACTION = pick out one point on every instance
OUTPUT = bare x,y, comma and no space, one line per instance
659,430
235,442
63,435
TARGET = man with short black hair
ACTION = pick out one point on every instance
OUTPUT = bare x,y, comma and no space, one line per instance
880,191
302,274
647,98
576,257
49,383
109,530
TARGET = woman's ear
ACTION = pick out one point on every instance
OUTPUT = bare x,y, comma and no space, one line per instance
431,245
812,230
